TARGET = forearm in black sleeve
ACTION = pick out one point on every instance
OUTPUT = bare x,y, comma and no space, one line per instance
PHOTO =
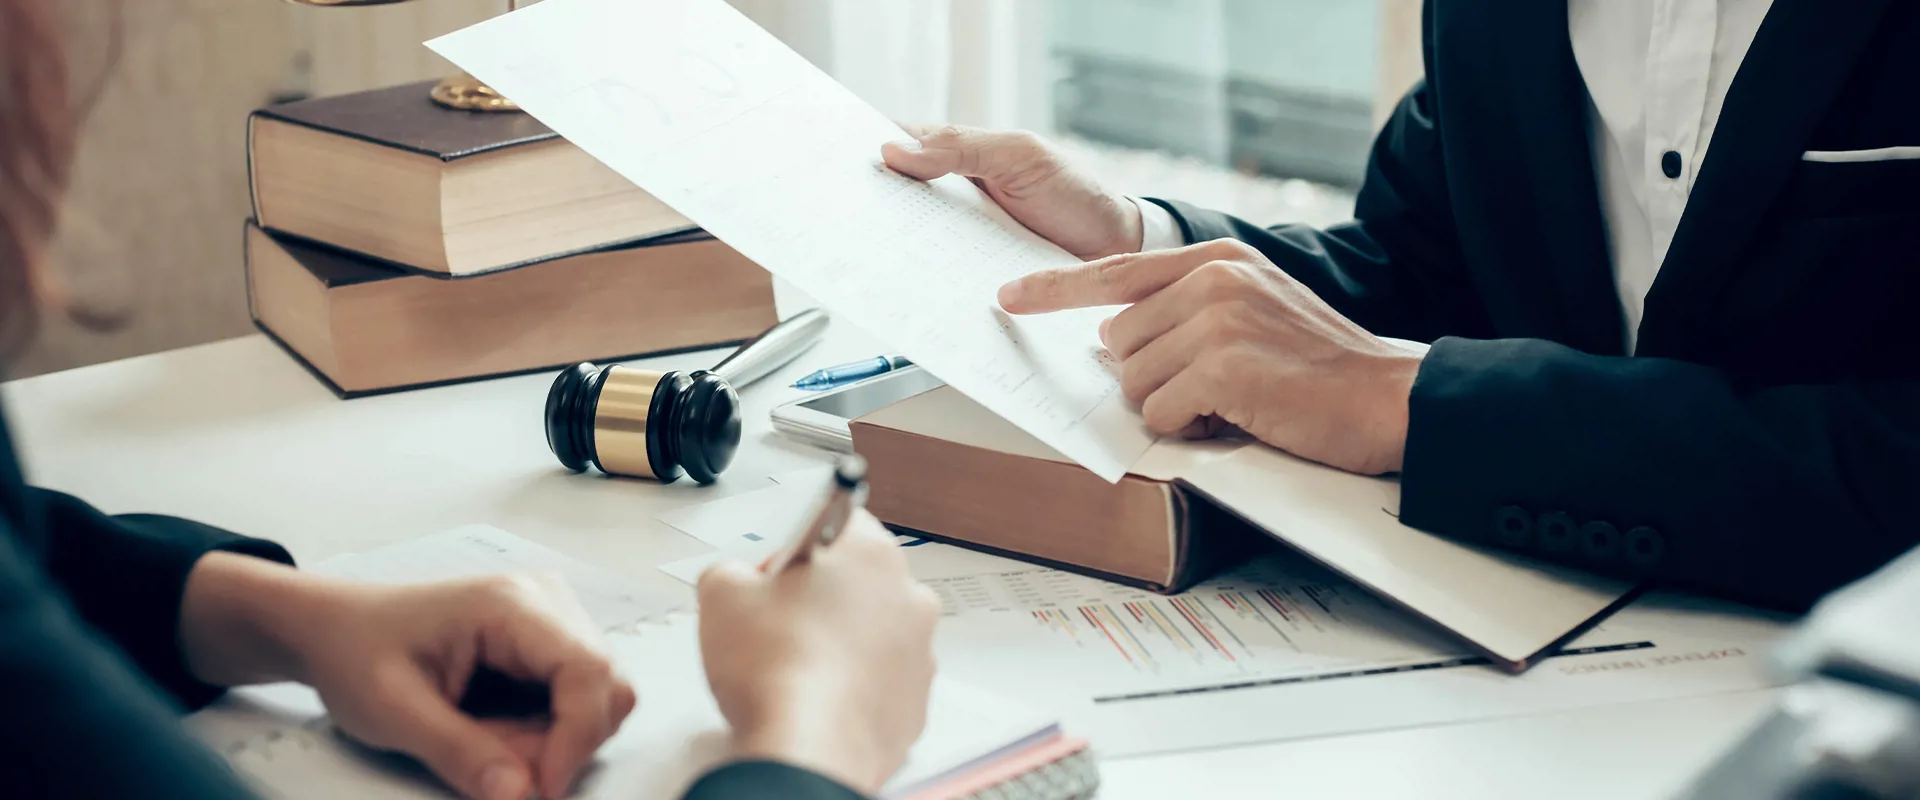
767,780
80,721
126,575
1663,470
1397,268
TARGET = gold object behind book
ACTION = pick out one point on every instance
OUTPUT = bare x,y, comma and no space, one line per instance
462,91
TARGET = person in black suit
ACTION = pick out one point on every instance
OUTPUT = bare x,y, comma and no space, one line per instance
110,626
1668,265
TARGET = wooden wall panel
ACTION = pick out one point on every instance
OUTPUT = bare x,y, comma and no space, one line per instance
364,48
153,222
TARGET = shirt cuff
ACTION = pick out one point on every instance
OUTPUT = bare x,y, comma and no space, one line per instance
1158,229
1412,347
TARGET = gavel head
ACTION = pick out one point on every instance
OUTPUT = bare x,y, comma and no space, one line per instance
643,423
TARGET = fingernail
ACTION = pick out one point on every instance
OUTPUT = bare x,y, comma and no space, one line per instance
909,145
1010,294
502,782
1104,325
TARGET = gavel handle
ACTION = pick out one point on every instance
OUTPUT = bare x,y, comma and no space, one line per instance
773,349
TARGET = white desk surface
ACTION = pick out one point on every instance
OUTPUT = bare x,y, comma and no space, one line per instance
236,434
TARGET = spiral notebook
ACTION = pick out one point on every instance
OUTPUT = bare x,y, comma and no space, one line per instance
976,744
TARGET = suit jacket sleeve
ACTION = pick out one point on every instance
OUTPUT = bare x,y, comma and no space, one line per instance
126,576
767,780
1663,470
84,721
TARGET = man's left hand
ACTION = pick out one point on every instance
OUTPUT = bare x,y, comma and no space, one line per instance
393,663
1217,335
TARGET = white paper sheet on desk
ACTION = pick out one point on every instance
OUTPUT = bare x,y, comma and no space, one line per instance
674,734
750,526
1283,649
612,600
772,514
700,107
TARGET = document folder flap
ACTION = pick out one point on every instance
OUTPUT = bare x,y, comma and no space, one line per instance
1510,608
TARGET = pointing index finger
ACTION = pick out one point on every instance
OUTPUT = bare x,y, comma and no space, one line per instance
1114,280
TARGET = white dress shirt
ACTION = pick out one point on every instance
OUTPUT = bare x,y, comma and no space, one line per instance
1657,72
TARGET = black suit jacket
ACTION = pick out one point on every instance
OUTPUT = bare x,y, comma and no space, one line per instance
92,678
1763,443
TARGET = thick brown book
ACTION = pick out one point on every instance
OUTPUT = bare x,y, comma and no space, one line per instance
389,174
948,469
945,467
365,328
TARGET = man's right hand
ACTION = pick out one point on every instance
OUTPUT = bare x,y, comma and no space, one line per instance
826,664
1032,181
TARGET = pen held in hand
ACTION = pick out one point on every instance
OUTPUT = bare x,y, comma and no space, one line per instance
845,495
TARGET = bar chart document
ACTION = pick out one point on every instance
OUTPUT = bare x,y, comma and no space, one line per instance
702,108
1281,648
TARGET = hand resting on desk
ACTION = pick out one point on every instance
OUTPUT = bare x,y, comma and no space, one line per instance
392,664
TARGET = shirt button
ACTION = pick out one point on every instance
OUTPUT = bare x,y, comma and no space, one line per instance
1670,164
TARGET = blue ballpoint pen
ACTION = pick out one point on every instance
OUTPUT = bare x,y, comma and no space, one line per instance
841,375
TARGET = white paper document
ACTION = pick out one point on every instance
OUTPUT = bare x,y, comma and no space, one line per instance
1280,648
750,526
279,738
612,600
811,476
674,734
1283,649
700,107
256,716
773,514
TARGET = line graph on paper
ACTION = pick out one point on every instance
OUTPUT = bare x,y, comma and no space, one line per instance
691,101
1278,619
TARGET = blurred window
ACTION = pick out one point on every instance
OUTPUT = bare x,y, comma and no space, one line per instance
1272,87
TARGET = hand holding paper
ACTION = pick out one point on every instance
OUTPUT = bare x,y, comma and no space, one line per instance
702,108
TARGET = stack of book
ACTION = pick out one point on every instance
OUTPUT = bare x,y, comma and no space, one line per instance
398,244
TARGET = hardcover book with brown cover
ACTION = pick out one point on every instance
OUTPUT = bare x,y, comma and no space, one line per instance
364,328
945,468
389,174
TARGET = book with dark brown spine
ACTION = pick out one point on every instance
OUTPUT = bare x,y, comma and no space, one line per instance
365,328
389,174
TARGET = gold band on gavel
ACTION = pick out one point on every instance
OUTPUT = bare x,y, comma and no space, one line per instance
620,422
